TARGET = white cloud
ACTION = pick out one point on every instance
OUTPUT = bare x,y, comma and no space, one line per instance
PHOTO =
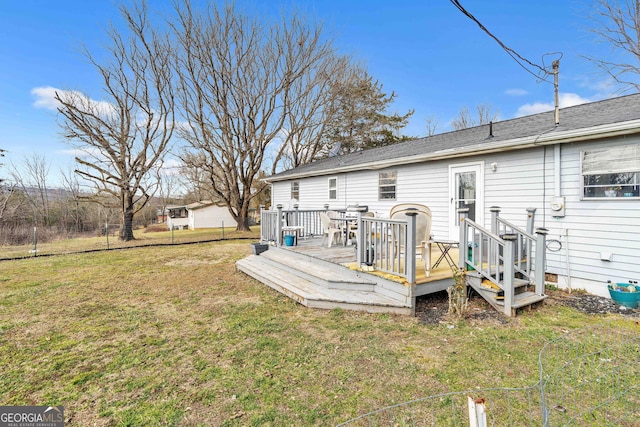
45,97
565,100
516,92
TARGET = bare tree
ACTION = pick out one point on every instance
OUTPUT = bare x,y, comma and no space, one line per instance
124,139
72,210
169,184
617,23
32,180
240,81
464,119
306,124
432,125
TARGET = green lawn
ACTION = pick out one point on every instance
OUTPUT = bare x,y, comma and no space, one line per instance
173,335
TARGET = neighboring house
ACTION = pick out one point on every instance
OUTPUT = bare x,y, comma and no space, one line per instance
177,217
582,177
203,214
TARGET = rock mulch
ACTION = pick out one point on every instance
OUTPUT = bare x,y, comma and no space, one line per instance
433,309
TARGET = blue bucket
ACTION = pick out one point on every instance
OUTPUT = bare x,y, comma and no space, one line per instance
622,296
288,239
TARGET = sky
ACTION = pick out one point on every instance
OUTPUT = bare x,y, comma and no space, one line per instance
435,59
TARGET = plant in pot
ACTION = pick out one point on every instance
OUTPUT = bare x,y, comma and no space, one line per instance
612,191
626,294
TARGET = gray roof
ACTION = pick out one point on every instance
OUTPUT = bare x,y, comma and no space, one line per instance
607,112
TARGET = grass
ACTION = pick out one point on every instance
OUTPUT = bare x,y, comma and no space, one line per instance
173,335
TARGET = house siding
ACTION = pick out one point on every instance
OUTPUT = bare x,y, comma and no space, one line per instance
522,179
210,217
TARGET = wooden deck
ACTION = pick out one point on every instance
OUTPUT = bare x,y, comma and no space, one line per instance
346,256
322,277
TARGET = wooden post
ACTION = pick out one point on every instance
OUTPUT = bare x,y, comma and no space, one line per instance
410,247
541,259
508,272
531,216
495,212
463,214
279,226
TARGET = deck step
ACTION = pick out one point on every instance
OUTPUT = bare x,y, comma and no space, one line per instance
325,274
524,299
307,293
476,280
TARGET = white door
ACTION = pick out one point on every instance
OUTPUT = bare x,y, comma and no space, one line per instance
466,188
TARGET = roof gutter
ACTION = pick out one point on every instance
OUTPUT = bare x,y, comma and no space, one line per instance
553,137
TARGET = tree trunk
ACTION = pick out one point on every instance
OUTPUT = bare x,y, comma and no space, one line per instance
243,218
126,232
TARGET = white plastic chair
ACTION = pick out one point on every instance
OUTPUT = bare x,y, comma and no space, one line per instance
329,229
423,229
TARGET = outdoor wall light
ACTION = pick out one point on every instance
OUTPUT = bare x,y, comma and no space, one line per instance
494,166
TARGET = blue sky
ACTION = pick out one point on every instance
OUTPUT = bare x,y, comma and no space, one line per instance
433,57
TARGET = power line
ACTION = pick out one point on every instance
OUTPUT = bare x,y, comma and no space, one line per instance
519,59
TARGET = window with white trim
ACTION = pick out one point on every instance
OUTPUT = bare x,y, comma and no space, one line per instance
387,185
295,190
333,188
611,172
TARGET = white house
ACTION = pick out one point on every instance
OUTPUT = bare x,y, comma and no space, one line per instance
203,214
582,176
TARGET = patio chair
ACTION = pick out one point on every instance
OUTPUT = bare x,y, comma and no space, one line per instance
353,226
423,230
329,229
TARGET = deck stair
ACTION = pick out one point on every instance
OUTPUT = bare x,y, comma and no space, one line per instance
523,298
321,284
505,265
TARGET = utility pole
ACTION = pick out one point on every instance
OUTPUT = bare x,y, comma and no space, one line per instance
556,68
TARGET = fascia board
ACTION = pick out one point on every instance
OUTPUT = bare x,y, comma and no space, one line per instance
562,137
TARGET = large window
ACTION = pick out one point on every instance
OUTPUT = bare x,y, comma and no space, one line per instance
611,172
178,212
387,185
333,188
295,190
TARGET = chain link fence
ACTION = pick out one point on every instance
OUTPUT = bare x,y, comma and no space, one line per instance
589,377
107,238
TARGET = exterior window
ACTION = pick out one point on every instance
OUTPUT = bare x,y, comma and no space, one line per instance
611,172
333,188
387,185
178,213
295,190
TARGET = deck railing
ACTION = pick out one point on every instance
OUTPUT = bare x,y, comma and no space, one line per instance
271,228
388,245
384,245
498,257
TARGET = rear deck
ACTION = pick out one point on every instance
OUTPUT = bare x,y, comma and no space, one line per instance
322,277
